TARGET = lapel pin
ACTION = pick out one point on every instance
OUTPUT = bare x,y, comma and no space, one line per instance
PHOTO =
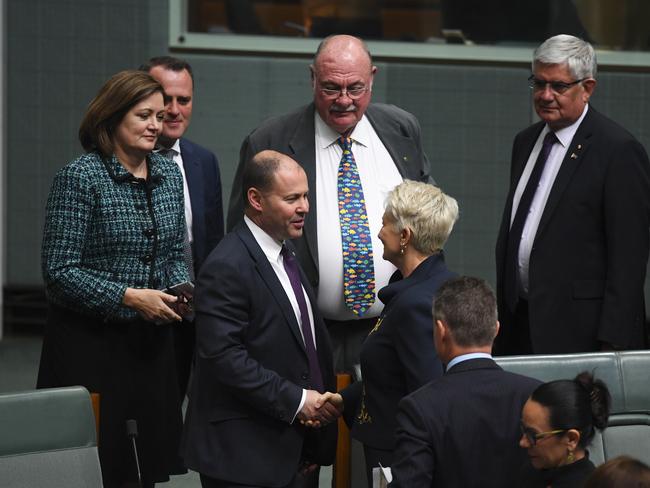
579,146
574,156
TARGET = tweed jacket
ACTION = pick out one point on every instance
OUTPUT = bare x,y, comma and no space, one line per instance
106,230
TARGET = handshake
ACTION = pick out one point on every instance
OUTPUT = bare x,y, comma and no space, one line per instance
320,409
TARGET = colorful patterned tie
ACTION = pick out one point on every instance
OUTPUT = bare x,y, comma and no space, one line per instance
358,263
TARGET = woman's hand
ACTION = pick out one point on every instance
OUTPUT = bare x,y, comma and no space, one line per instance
152,305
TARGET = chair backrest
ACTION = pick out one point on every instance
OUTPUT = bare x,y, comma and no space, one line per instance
47,438
627,376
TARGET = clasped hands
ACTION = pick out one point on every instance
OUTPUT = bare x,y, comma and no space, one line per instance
320,409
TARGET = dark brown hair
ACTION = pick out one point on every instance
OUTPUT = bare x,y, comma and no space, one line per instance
115,98
620,472
469,308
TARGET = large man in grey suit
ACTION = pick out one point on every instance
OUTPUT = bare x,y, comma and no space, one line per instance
386,147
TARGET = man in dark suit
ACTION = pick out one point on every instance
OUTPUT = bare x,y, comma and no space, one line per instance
573,245
263,353
201,181
386,147
462,430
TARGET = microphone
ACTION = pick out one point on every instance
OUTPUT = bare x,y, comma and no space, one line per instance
132,433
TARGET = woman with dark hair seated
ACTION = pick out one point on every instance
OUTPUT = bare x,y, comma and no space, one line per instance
558,422
620,472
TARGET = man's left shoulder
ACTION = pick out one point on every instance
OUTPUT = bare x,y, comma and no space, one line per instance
608,129
388,110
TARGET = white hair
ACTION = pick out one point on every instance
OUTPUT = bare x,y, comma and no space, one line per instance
426,210
577,54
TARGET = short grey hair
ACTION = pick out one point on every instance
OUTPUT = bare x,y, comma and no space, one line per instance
426,210
577,54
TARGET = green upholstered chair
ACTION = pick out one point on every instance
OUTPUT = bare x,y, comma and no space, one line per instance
48,439
627,375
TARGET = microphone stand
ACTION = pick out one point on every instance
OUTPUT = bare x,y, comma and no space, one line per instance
132,433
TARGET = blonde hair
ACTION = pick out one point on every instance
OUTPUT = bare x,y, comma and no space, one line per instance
426,210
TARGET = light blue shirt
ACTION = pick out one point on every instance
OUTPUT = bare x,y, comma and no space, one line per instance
467,357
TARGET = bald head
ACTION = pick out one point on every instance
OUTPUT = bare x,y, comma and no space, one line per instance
342,75
338,45
275,189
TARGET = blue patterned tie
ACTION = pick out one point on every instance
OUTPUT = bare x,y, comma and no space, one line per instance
358,263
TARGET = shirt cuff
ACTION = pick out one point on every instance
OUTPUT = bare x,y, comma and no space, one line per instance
302,402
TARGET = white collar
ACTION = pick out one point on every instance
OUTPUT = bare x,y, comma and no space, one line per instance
565,135
270,247
326,136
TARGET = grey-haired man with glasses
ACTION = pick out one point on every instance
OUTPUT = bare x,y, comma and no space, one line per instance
354,152
573,245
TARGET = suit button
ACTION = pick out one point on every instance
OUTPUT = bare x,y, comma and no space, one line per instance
146,259
149,233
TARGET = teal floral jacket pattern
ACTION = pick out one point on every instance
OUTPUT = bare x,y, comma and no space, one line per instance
106,230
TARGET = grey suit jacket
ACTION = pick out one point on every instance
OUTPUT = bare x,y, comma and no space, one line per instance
293,134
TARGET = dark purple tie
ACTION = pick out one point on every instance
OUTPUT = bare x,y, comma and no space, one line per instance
291,267
511,276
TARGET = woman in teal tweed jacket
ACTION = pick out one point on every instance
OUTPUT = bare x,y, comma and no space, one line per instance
114,237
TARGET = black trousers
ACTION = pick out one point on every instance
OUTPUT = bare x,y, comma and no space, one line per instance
309,480
347,338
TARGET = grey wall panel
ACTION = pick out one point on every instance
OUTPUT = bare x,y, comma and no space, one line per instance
60,51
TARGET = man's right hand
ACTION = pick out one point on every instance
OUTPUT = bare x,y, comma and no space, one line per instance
326,408
318,410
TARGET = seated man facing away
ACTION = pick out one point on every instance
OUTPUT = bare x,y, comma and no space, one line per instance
462,429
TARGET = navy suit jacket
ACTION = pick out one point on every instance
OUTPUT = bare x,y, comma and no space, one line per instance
398,356
250,372
462,430
293,134
588,261
204,183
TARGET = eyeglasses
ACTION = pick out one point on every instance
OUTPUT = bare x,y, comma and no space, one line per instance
352,93
533,436
558,87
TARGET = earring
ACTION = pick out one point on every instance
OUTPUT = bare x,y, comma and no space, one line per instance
402,248
570,457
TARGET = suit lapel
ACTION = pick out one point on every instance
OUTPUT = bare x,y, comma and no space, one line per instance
575,154
303,146
395,139
193,175
270,279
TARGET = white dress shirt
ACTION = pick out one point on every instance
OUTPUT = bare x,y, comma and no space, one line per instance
551,169
378,175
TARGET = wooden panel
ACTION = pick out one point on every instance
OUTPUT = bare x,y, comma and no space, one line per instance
341,473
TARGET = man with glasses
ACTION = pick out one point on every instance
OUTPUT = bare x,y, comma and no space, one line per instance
462,429
354,152
573,245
